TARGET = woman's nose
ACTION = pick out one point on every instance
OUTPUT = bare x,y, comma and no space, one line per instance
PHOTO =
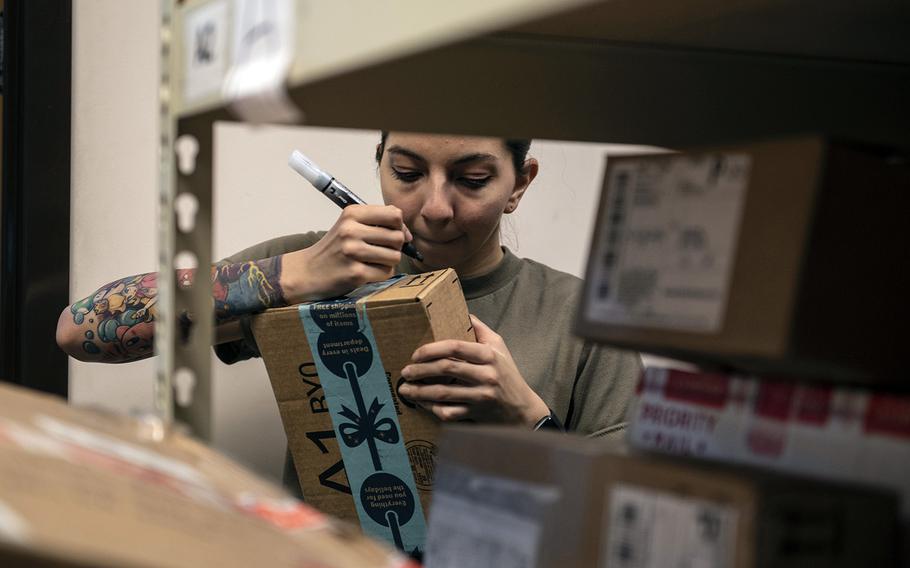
437,204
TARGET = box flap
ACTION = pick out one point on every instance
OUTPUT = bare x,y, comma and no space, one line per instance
411,288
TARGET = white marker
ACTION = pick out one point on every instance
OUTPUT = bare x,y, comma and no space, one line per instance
334,190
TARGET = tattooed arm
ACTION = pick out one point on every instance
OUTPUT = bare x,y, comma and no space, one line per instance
116,324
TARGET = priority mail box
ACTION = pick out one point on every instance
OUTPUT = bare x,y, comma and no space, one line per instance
508,496
361,451
777,257
832,432
81,488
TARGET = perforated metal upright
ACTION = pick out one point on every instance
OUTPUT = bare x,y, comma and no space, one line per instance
183,387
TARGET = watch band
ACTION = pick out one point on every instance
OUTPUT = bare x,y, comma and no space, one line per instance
550,422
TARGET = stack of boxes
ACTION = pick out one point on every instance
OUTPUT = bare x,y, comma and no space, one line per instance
775,259
507,497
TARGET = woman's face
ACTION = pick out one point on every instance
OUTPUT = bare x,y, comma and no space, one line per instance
453,191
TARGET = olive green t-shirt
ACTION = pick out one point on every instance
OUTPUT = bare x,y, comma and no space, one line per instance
532,307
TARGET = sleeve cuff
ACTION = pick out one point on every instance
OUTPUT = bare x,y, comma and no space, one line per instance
240,350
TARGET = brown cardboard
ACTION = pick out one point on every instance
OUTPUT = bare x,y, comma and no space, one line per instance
415,310
817,284
78,488
780,520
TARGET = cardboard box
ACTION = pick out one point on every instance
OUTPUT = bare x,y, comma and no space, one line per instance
543,499
838,433
79,488
359,449
780,257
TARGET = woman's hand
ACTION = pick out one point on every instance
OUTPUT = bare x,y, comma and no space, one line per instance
363,246
484,383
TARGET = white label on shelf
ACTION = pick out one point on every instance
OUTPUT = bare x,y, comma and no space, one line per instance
656,529
206,56
263,49
481,520
668,242
467,533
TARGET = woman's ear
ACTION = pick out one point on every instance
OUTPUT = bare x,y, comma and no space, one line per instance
522,180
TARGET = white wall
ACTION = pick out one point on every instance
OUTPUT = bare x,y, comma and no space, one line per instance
114,173
257,197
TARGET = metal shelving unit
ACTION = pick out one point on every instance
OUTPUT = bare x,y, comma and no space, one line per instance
658,72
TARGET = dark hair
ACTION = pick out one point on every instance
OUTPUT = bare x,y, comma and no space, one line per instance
518,148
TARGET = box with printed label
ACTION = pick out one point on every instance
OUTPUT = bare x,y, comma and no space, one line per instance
548,500
773,257
361,451
81,488
838,433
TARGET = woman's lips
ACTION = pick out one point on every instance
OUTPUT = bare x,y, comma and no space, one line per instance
436,241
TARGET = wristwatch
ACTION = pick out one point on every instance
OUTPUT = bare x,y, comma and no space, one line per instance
550,422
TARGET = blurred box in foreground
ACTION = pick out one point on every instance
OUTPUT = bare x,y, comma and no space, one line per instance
507,497
778,257
361,452
79,488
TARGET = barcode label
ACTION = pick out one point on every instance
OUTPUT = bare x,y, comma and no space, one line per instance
668,241
467,533
656,529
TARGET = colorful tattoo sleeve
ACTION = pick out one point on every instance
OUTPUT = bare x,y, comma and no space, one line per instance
116,323
247,287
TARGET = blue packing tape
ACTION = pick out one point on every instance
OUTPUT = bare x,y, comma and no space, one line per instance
363,416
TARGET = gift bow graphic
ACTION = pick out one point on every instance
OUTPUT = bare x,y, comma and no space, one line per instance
363,428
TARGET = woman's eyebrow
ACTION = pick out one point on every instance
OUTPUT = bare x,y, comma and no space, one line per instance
461,160
478,157
398,150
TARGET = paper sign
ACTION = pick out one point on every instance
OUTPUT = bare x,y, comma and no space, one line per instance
206,50
263,49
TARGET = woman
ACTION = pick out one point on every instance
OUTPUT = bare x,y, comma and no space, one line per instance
448,195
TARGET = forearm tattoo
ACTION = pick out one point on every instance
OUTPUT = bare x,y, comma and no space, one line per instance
117,321
247,287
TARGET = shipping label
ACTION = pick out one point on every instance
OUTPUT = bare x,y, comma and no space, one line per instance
667,243
483,520
657,529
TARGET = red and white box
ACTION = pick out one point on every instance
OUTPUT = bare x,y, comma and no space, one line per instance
837,433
